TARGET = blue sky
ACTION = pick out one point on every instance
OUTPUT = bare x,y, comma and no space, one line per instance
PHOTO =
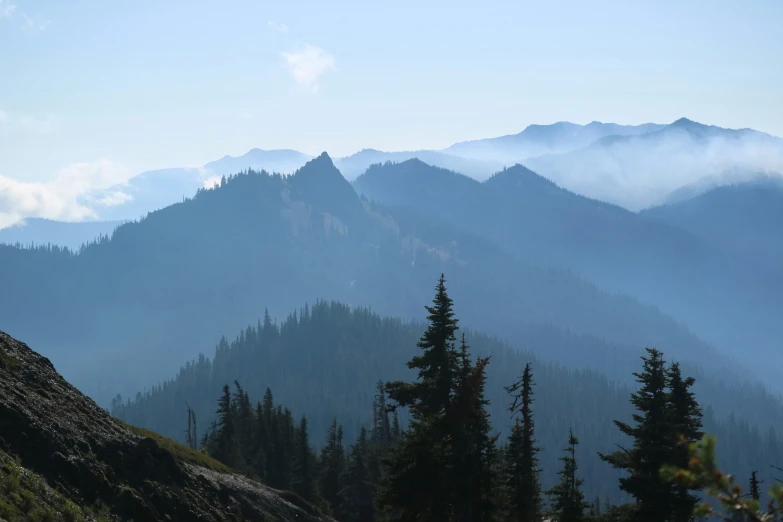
150,84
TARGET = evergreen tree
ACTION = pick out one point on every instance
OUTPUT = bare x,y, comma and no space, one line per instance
417,485
566,497
224,431
474,452
654,444
333,470
686,421
304,473
755,491
358,493
522,482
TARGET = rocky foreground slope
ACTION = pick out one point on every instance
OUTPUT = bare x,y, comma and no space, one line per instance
63,457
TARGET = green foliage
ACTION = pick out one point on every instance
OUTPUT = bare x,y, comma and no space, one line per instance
703,472
566,497
522,470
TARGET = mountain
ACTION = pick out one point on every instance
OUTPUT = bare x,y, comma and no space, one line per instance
354,165
538,222
35,231
284,161
74,455
728,177
745,217
146,299
536,140
638,171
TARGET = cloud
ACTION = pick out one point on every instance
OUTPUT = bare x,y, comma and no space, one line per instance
65,196
280,28
6,9
308,65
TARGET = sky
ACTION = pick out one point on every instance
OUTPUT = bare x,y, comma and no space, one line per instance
94,91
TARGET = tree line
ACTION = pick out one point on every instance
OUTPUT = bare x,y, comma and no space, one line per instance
449,463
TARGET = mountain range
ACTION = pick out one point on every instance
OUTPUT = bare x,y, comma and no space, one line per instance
633,166
211,264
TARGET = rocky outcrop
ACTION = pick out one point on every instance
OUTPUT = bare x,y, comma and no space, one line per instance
91,458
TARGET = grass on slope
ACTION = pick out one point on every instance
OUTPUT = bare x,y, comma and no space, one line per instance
25,496
179,451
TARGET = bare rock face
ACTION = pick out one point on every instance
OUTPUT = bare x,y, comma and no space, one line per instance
89,457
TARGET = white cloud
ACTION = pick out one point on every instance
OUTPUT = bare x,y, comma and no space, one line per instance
280,28
62,198
6,9
308,65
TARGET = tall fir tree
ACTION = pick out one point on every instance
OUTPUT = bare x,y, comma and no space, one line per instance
417,485
522,472
654,444
304,469
474,451
686,421
333,470
567,502
358,493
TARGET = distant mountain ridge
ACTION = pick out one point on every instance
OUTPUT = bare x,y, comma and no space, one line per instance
634,166
210,264
714,291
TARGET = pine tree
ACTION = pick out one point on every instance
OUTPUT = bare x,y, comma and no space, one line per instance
304,479
755,491
566,497
474,452
224,432
358,493
654,444
333,470
685,418
417,485
522,482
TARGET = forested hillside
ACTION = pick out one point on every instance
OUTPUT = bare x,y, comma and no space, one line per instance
124,313
721,295
325,362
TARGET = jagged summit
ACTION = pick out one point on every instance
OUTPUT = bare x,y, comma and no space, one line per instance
77,447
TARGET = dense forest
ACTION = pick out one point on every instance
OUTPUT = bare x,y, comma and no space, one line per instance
145,300
325,362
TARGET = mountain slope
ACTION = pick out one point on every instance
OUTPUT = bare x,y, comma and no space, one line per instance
640,171
89,457
353,166
746,218
145,300
538,222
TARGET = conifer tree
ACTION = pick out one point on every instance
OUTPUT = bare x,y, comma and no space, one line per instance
358,493
473,450
685,418
566,497
754,490
333,470
304,473
417,485
224,431
654,444
522,472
